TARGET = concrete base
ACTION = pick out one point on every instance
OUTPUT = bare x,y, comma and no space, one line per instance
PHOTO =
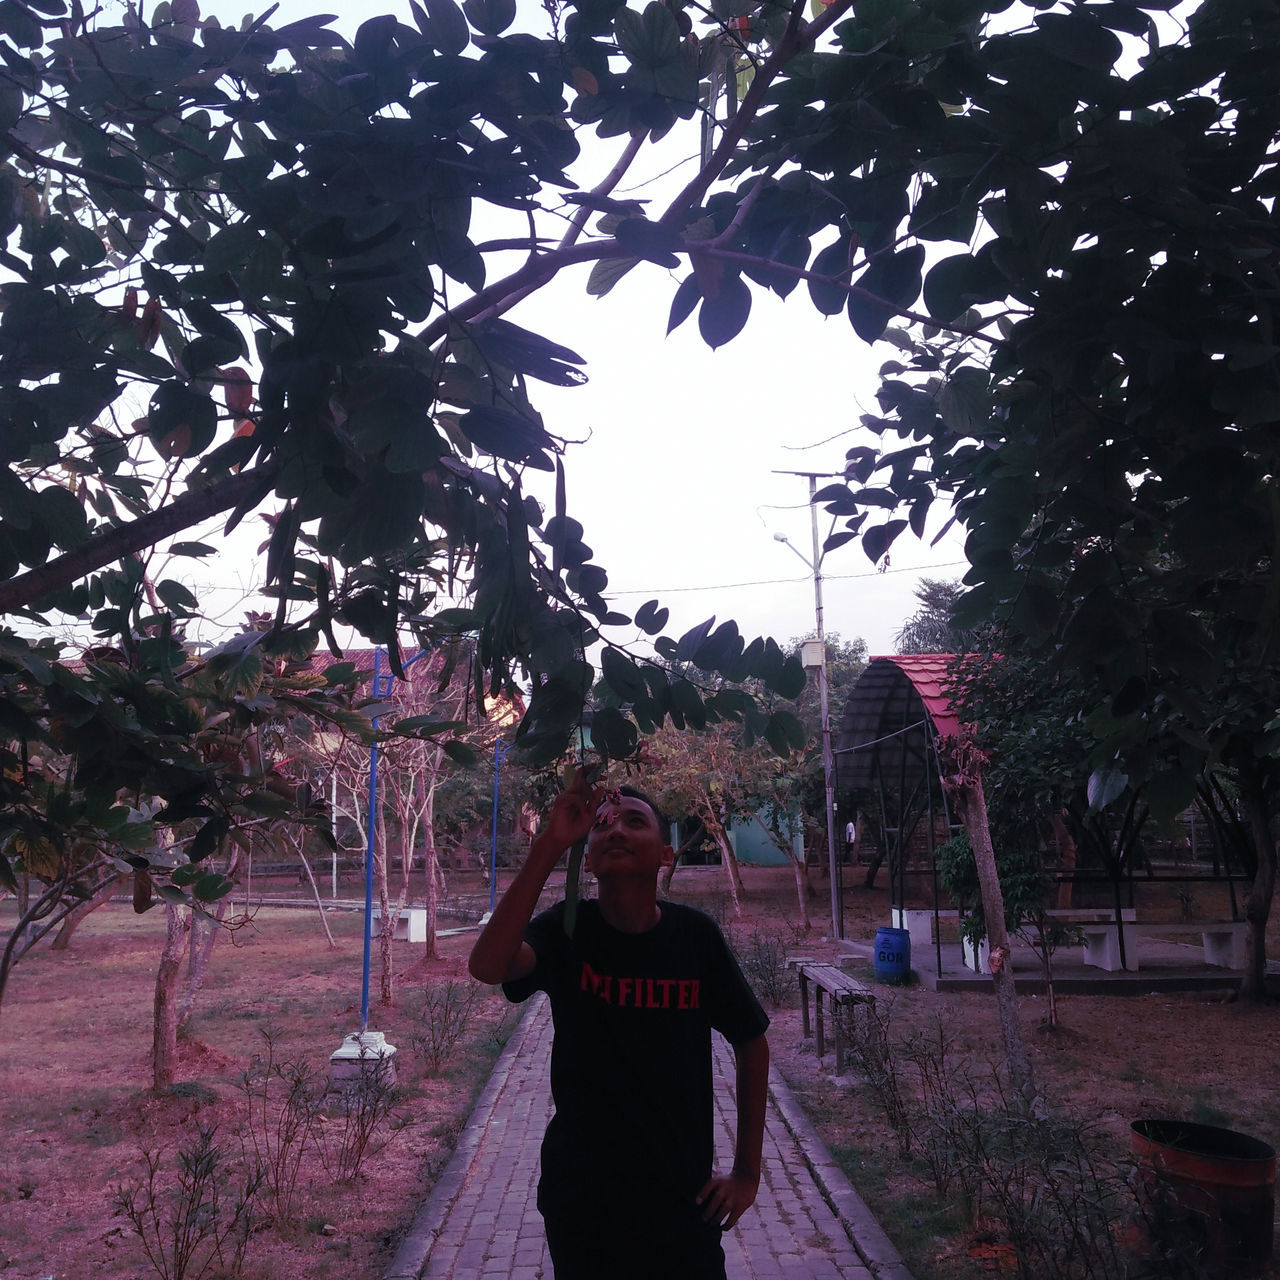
919,924
1224,948
361,1054
977,962
1102,948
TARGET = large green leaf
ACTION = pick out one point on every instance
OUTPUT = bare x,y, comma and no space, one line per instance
964,402
722,316
890,285
181,420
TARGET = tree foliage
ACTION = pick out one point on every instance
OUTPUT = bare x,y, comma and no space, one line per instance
251,269
242,273
931,629
1099,391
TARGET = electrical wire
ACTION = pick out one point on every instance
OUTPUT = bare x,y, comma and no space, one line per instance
773,582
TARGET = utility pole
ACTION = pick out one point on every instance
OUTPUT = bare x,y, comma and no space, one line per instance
816,659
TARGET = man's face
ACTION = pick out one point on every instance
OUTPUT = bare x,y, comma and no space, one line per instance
626,838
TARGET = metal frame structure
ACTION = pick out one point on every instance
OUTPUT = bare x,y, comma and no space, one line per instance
887,748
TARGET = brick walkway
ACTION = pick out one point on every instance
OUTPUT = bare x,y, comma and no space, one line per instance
480,1221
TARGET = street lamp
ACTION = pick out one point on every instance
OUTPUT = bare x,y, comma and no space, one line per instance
813,655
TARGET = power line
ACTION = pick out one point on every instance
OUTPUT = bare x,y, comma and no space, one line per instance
773,582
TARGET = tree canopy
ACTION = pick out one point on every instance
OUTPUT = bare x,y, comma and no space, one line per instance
252,269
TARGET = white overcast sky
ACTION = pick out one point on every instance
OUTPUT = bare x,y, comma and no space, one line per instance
676,482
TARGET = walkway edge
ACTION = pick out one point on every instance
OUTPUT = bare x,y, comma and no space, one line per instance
868,1236
411,1256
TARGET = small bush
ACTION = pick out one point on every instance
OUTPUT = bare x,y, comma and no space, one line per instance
763,956
282,1099
443,1016
363,1118
199,1224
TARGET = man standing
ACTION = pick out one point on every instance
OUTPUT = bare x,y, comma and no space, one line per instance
627,1186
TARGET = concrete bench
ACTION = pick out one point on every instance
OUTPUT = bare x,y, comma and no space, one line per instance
918,922
1222,942
1078,917
842,989
411,924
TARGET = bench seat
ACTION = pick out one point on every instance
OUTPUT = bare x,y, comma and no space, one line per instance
841,988
1222,941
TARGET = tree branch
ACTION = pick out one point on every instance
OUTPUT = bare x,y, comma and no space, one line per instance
122,540
796,38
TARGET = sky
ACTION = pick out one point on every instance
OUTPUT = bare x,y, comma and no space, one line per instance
687,461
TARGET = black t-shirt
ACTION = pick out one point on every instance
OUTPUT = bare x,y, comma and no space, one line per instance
631,1058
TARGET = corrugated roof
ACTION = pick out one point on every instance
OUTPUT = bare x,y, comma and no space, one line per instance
899,704
928,672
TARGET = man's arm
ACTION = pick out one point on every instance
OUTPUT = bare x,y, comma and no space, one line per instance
500,953
726,1197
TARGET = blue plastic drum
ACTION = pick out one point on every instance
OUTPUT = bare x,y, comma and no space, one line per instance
892,955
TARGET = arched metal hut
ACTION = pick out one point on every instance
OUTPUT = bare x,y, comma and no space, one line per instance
887,759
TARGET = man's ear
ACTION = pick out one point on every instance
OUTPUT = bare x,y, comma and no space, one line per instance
668,855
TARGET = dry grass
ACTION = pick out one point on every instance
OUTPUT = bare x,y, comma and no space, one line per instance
77,1024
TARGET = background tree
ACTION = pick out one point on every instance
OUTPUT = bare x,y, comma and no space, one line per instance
241,278
710,774
1103,393
932,629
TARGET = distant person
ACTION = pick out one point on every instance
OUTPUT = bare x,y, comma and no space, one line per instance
628,1189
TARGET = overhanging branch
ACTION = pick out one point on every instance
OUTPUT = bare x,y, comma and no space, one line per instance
123,540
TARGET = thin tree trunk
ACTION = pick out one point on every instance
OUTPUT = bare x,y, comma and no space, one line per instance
315,892
1257,906
432,857
798,870
802,891
729,860
73,917
687,843
204,934
962,767
386,987
1067,853
164,1032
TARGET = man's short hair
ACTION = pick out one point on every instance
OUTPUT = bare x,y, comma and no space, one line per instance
664,826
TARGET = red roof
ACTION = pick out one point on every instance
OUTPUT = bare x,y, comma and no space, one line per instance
928,673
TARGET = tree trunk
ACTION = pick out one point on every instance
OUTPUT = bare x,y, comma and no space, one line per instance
386,994
802,891
164,1032
798,869
432,860
729,859
1257,906
315,891
962,768
687,843
1000,959
1067,855
73,917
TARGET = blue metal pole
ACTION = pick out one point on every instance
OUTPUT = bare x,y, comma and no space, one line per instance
370,837
381,689
499,755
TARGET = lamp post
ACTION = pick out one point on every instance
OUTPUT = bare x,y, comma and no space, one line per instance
814,657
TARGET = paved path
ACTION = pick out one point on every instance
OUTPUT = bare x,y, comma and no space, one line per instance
480,1221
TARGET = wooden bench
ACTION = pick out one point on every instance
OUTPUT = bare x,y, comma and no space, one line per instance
1222,941
841,987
